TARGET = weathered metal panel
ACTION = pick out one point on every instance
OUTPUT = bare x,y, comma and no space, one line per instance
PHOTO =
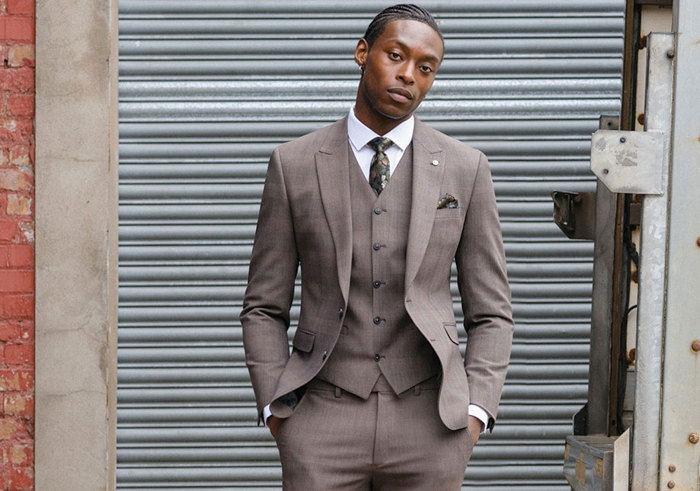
209,88
680,421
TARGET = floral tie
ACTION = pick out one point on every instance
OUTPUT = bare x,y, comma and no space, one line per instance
379,168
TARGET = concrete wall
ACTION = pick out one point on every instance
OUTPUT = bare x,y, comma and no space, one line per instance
76,243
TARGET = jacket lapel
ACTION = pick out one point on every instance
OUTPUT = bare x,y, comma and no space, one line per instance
334,183
426,193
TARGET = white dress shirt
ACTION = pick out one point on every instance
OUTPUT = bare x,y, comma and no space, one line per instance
359,136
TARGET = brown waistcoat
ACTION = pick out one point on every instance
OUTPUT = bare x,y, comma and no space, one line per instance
378,337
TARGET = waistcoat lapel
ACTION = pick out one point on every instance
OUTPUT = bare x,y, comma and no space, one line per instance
427,179
334,184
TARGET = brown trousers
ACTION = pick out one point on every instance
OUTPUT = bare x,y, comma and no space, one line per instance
337,441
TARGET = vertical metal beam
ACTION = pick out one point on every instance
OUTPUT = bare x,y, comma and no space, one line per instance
680,411
652,275
601,315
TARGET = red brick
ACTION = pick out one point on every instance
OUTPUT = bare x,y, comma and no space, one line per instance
16,379
14,131
26,228
17,79
17,306
8,428
21,55
27,331
21,454
16,256
8,230
21,105
21,478
19,354
19,404
19,28
20,7
16,280
15,180
21,155
19,205
9,332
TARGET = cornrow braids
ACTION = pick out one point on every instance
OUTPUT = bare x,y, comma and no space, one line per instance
403,11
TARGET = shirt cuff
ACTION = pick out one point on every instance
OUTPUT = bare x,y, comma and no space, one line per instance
266,414
478,413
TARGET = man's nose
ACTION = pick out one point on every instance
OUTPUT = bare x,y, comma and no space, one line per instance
405,73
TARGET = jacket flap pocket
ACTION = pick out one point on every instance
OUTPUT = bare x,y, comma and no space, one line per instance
451,330
304,340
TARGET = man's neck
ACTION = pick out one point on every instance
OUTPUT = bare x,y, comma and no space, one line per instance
379,127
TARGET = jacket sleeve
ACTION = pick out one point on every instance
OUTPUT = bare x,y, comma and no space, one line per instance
485,295
268,298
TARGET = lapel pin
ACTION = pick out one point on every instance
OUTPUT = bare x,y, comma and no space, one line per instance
434,162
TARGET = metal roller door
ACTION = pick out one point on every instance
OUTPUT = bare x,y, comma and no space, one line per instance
208,88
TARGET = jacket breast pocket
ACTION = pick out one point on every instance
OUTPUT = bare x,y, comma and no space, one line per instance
446,213
304,340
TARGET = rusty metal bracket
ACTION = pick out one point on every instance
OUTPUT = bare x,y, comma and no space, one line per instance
574,214
629,161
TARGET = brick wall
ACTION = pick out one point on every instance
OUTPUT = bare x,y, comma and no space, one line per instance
17,245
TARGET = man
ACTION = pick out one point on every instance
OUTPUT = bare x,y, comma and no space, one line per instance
375,394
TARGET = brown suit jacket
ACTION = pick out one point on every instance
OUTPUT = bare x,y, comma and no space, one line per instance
305,219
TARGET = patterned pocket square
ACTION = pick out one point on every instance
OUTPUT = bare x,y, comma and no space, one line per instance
447,201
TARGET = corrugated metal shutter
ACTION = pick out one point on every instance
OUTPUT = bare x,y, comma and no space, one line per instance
208,88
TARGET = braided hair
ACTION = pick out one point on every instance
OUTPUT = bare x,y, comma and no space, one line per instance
403,11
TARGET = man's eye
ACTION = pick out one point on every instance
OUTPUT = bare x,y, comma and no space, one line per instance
394,56
426,69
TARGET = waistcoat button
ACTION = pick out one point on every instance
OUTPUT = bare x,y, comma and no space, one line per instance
377,211
376,246
377,320
376,284
377,357
340,313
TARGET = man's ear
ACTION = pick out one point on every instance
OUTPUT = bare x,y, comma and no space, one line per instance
361,53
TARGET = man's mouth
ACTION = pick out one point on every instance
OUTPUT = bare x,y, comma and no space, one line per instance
400,94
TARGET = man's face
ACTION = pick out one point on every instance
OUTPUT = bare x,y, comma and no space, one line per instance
399,70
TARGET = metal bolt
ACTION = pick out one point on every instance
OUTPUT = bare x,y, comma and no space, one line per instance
641,118
671,468
605,171
671,484
695,345
623,139
693,438
697,242
670,53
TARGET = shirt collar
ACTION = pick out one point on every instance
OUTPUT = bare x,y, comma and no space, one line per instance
360,135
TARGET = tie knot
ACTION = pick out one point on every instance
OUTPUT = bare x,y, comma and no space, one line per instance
380,144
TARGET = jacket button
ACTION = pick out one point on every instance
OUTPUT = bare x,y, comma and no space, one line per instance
340,313
324,356
377,320
377,357
376,246
376,284
377,211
